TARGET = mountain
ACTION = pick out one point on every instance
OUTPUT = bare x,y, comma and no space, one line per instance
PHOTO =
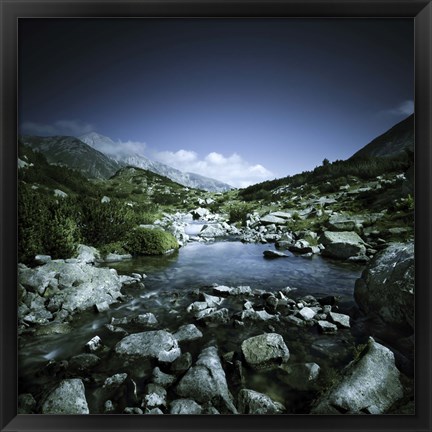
108,146
73,153
391,143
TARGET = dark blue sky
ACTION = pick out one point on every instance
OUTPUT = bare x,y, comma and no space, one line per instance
242,100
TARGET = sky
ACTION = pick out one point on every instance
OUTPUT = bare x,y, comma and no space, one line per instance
239,100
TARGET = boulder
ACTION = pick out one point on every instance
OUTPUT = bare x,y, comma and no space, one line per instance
206,382
341,320
187,332
265,351
301,246
211,231
306,313
327,327
369,384
157,344
185,406
274,254
386,287
270,219
342,245
87,254
155,396
281,214
67,398
199,213
161,378
252,402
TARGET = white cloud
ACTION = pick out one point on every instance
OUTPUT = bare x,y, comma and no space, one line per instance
233,169
120,149
60,127
405,108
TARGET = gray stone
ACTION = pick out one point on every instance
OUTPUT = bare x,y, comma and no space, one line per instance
215,318
158,344
212,301
327,327
211,231
386,286
261,315
301,246
369,384
155,396
274,254
84,361
147,319
161,378
206,382
187,332
102,307
182,363
252,402
87,254
94,344
133,410
114,382
185,406
342,245
306,313
26,403
270,219
281,214
42,259
341,320
67,398
265,351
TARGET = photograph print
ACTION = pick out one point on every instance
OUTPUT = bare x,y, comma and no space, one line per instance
216,216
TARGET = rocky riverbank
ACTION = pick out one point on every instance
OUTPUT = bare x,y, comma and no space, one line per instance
217,349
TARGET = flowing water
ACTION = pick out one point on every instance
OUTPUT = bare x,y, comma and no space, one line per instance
171,285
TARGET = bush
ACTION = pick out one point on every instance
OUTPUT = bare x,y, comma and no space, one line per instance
147,241
239,212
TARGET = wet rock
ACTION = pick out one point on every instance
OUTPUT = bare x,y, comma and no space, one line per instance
187,332
133,410
386,287
341,320
215,317
158,344
185,406
212,231
155,396
147,319
181,364
26,403
36,280
342,245
301,246
265,351
114,329
83,362
306,313
252,402
206,382
114,382
212,301
274,254
260,315
102,307
67,398
369,384
326,327
94,344
161,378
295,320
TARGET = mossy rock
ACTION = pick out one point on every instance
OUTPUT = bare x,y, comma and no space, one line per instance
147,241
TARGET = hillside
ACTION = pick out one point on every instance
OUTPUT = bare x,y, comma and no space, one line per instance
72,153
112,149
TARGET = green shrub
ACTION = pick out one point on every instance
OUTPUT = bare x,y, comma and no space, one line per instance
147,241
115,247
238,212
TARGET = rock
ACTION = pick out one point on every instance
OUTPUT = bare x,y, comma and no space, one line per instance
185,406
265,351
341,320
161,378
301,246
102,307
274,254
87,254
158,344
295,320
105,199
187,332
155,396
67,398
345,223
327,327
369,384
269,219
252,402
386,287
215,318
53,328
94,344
133,410
114,382
306,313
225,291
253,315
199,213
281,214
147,319
83,362
108,407
342,245
206,382
59,193
42,259
36,280
212,301
197,307
211,231
182,363
26,403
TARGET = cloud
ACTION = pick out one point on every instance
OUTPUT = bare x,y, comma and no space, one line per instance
405,108
60,127
233,169
119,149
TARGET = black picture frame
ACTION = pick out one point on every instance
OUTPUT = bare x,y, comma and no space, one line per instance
12,10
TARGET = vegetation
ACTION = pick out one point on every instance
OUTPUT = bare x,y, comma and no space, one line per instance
148,241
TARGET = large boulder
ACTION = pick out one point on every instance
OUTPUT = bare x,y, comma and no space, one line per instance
252,402
386,287
67,398
265,351
369,384
211,231
157,344
206,382
342,245
271,219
